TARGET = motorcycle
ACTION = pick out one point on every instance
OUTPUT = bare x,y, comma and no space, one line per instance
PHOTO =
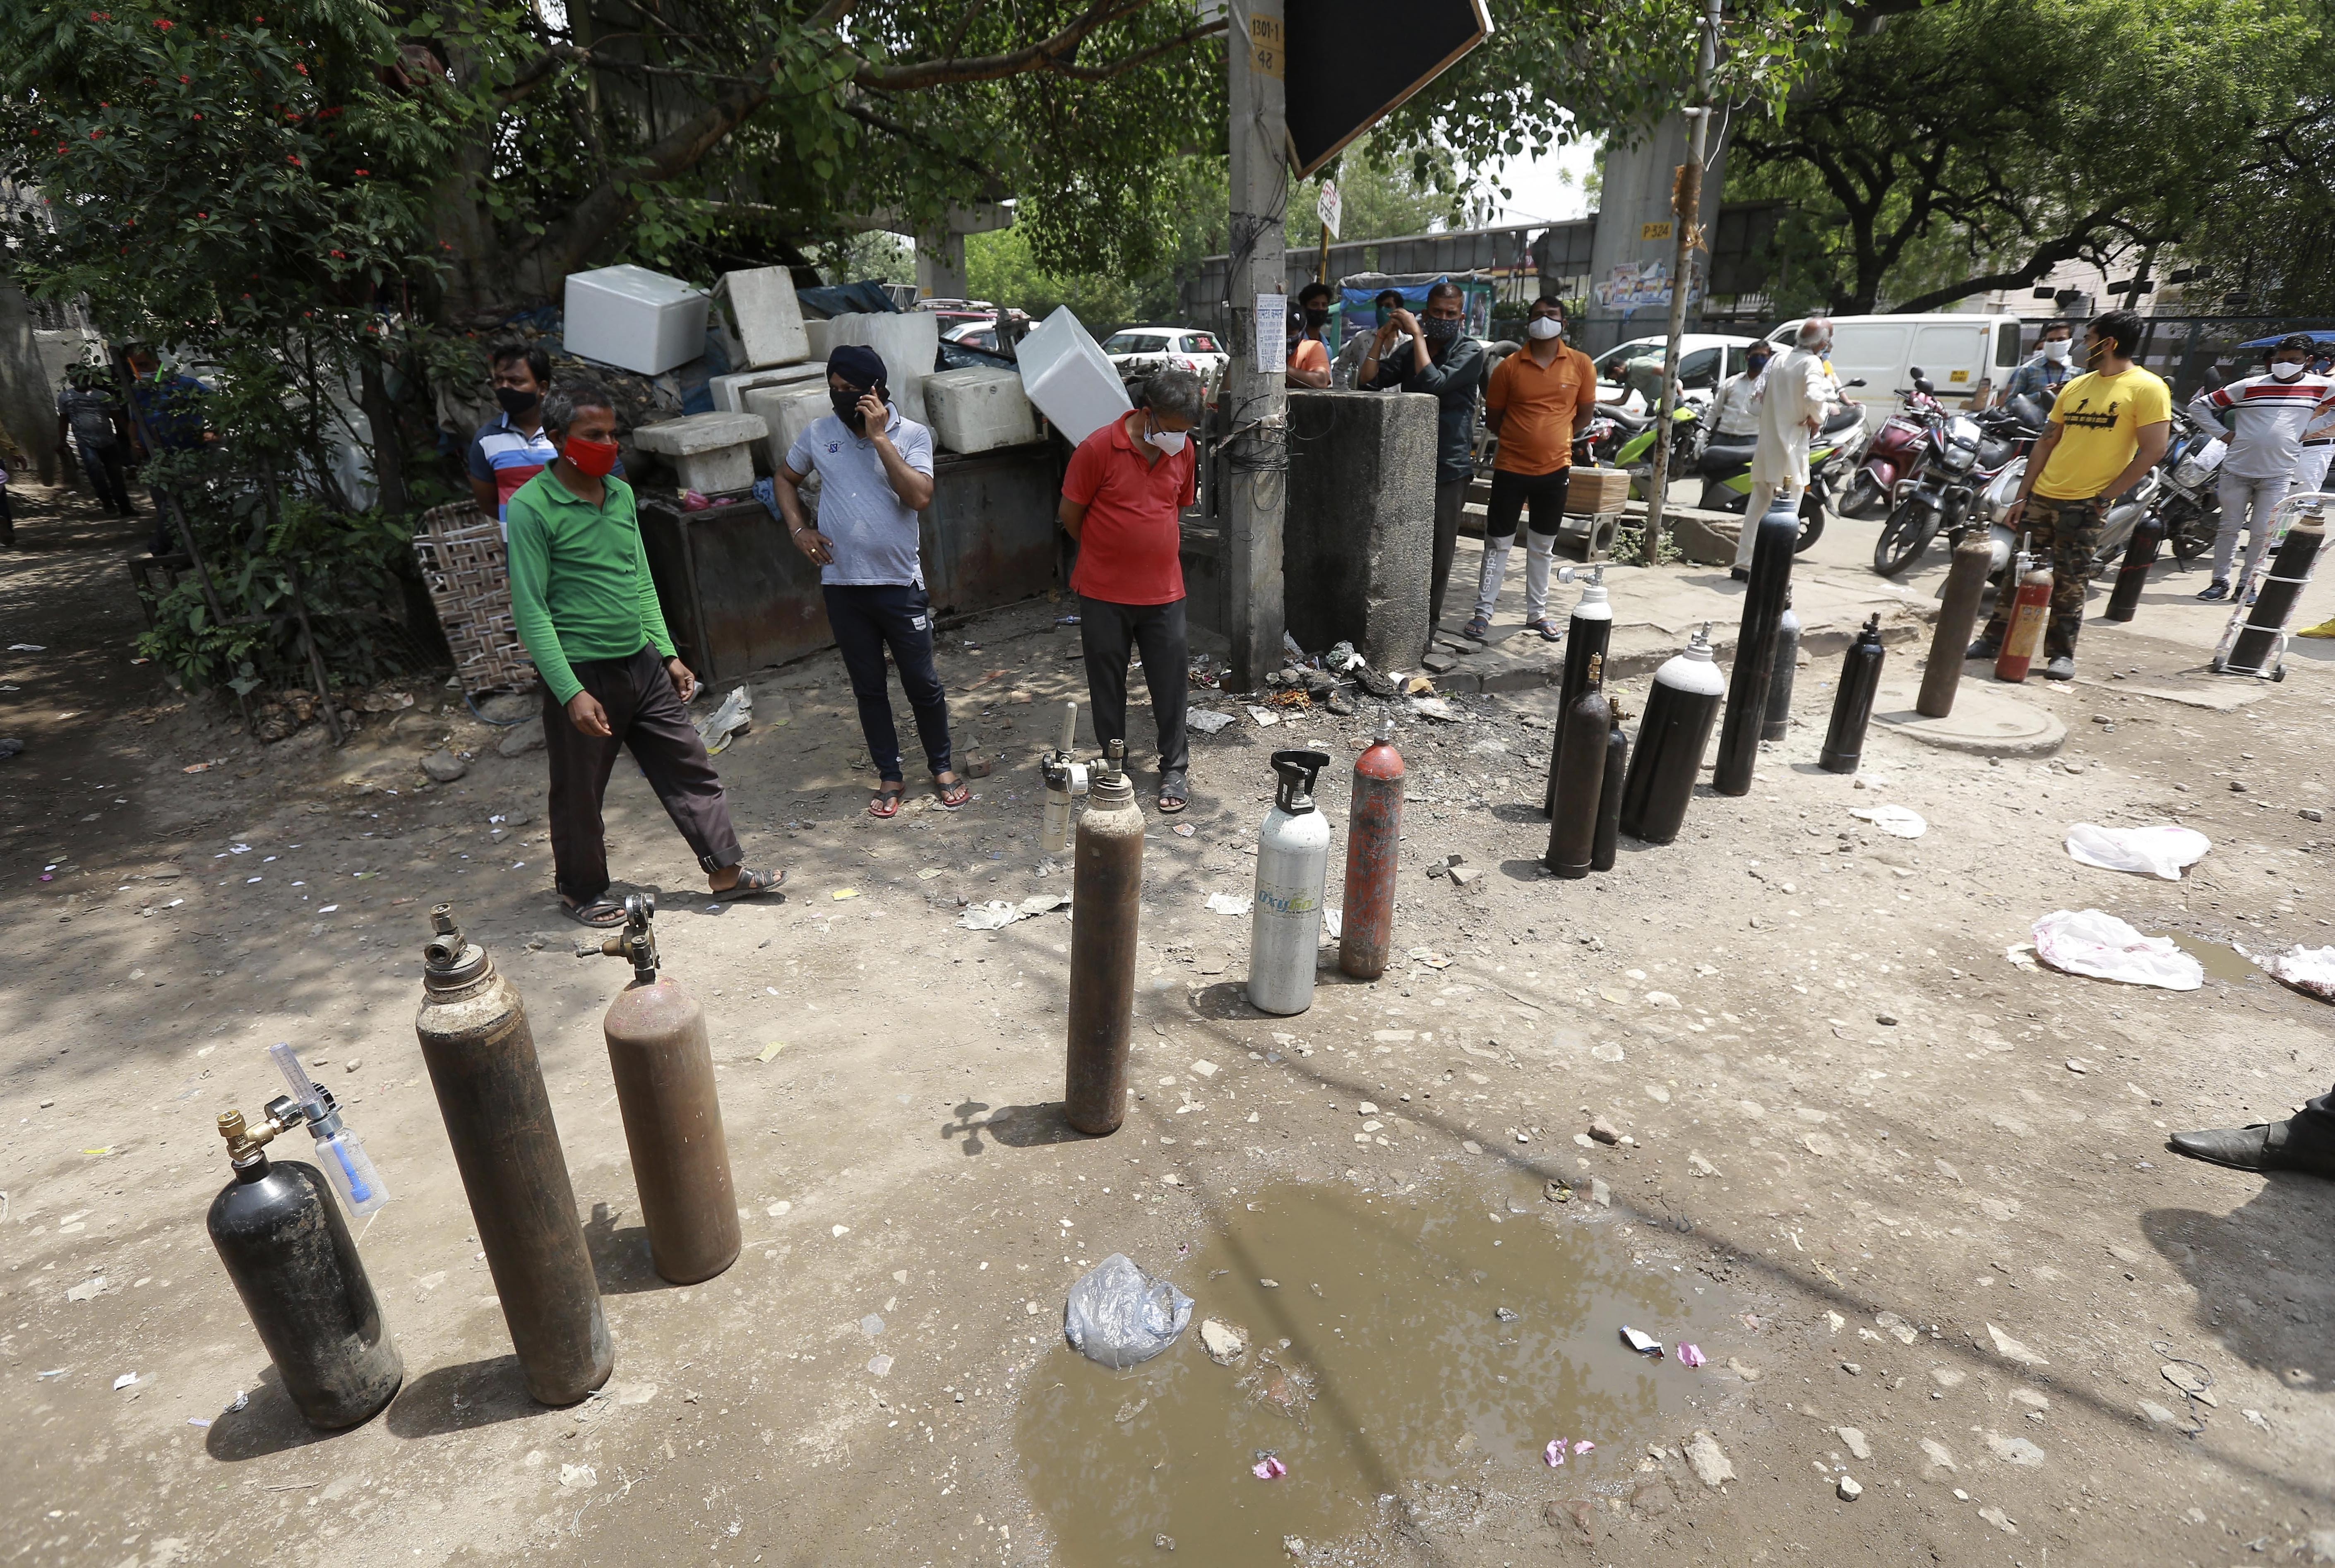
1618,438
1961,475
1892,454
1726,470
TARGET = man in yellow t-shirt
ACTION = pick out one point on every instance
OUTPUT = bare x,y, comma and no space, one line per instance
2108,428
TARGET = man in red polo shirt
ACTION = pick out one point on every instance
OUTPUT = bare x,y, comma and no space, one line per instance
1123,500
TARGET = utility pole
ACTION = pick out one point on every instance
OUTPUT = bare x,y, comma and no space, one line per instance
1257,403
1686,202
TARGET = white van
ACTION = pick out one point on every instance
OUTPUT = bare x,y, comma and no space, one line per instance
1967,358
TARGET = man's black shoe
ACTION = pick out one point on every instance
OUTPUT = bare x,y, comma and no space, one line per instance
1740,573
2265,1146
1983,649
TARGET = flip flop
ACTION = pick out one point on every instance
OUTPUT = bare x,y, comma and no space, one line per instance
1549,631
600,914
886,803
1171,787
748,884
1477,629
953,794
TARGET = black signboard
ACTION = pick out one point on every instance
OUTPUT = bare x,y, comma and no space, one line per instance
1350,63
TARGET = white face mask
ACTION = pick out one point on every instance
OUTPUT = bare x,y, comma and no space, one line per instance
2056,351
2286,369
1544,327
1168,441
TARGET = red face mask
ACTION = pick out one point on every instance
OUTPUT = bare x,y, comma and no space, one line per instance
597,459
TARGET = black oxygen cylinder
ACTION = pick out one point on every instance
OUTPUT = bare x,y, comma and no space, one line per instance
2139,554
1755,650
292,1261
1582,728
2256,648
1787,662
1852,706
1587,635
1671,739
1607,845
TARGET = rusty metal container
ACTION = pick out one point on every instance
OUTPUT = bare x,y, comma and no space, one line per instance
1373,854
1958,603
1107,892
482,1063
663,1067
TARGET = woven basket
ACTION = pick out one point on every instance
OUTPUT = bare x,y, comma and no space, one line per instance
460,550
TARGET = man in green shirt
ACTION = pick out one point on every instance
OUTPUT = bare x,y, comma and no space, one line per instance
585,607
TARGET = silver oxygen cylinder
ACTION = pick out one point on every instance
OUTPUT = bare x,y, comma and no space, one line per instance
1063,780
1292,863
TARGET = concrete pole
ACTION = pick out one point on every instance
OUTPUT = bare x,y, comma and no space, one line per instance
1257,403
1687,201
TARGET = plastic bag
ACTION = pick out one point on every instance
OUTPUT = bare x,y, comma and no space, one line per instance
2097,945
2309,970
733,717
1120,1316
2165,850
1898,821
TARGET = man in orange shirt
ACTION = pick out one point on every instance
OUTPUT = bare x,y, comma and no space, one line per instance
1538,400
1309,351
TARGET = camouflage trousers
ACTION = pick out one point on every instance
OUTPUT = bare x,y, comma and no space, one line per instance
2066,534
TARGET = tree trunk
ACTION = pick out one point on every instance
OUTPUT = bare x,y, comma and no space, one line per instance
388,449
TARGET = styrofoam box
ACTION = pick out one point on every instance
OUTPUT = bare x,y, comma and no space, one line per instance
909,341
1065,373
815,335
789,410
729,389
762,306
979,410
634,319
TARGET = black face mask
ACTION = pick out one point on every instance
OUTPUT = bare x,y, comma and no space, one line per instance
847,409
1438,329
1316,315
517,400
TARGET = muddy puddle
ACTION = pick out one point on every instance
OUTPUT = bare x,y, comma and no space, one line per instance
2223,962
1382,1360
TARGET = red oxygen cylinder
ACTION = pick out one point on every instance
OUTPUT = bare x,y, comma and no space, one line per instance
1373,846
2023,639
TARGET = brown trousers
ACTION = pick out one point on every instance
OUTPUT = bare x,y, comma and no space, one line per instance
644,713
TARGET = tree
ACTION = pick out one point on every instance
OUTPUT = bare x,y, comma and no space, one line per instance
1974,145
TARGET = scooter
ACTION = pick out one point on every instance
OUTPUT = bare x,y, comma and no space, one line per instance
1726,469
1892,455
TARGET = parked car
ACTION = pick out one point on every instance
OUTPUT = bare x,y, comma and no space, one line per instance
1137,350
1705,359
1968,357
979,331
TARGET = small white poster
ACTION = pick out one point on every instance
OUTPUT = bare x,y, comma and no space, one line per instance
1272,330
1330,207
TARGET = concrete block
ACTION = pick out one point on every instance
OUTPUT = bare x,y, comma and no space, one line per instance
979,410
633,318
760,310
713,453
788,410
1707,539
1361,531
909,343
730,391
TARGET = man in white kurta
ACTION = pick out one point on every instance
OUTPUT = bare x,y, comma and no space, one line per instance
1794,397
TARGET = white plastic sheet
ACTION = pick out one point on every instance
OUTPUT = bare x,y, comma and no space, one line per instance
2165,850
2309,970
2092,943
1898,821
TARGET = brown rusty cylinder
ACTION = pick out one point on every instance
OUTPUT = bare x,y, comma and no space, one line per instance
663,1067
1957,619
1107,890
1373,853
1580,778
481,1058
1606,846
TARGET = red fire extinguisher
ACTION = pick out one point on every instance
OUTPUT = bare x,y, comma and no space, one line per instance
2031,612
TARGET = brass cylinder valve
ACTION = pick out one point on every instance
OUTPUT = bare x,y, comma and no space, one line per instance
243,1142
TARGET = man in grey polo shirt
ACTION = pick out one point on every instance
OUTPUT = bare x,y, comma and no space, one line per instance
875,471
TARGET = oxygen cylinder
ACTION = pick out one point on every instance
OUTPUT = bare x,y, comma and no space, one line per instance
2260,648
1107,890
1587,636
1293,862
2139,554
1580,778
289,1252
1062,778
1672,738
2030,613
481,1058
1607,844
1852,706
1788,664
1373,851
1778,535
1958,599
663,1064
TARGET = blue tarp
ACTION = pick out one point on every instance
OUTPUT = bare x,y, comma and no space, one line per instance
2323,339
847,299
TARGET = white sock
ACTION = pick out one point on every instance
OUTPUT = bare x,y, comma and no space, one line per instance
1496,568
1540,552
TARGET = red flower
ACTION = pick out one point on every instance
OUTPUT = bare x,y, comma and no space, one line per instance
291,158
198,117
162,22
95,134
303,70
338,256
362,173
182,82
202,214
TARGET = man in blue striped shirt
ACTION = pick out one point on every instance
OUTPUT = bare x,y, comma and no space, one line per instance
512,449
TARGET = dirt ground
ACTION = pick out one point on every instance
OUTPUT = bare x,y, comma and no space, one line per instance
1928,1183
